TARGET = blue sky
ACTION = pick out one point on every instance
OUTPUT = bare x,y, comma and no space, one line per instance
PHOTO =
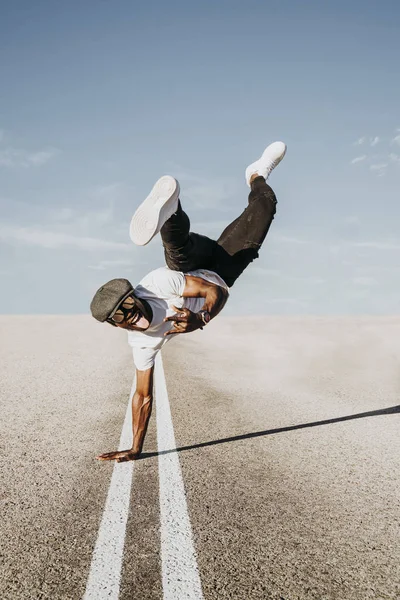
98,99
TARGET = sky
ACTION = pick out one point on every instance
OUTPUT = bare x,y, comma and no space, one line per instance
99,99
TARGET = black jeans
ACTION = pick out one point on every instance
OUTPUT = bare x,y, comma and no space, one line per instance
236,247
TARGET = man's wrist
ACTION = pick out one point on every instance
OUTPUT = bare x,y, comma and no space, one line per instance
205,317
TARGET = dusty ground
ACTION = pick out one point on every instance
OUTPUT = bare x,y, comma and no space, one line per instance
287,435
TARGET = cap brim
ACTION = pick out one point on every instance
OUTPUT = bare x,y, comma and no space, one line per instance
138,303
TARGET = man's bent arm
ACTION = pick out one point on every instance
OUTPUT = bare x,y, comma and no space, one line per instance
215,296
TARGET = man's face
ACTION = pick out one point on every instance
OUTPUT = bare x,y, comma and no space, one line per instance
128,316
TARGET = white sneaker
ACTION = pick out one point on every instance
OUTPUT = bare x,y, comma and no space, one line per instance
151,215
270,158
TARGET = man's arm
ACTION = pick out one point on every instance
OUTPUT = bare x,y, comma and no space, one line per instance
214,295
142,401
215,298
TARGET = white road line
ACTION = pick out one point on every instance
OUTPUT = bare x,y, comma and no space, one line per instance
180,573
105,571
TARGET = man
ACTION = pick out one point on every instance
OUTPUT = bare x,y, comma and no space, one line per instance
194,286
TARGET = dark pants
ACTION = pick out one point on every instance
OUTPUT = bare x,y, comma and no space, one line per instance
236,247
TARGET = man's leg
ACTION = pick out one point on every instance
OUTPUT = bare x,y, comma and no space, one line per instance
162,212
237,246
183,249
251,227
239,243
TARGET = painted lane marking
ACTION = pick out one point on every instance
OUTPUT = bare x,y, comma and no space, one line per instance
180,573
105,570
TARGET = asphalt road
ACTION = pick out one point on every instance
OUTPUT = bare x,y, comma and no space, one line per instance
288,446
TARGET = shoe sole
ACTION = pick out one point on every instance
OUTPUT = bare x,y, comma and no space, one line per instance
151,215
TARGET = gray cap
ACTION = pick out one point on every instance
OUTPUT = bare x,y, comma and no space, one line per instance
107,298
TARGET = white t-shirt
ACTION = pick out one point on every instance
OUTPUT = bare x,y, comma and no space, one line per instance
163,288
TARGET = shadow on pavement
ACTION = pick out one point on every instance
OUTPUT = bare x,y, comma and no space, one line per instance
372,413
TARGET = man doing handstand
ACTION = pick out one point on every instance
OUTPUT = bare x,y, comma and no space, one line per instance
194,285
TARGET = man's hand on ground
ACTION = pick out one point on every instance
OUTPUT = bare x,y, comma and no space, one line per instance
120,456
184,321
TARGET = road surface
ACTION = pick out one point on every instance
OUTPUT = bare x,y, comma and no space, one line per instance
271,467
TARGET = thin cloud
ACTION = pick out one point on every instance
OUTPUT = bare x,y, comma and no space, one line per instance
309,280
351,220
83,220
394,158
106,264
377,245
288,239
107,192
396,140
290,301
103,197
264,271
14,158
203,193
378,163
379,169
206,195
255,270
358,159
37,159
53,240
96,218
345,245
365,281
62,214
